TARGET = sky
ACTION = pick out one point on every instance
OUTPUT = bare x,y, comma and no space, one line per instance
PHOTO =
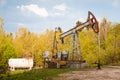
39,15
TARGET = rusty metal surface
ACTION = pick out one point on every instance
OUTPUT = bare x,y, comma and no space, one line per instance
93,22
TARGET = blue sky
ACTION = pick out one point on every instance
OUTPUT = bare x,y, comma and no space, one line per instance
39,15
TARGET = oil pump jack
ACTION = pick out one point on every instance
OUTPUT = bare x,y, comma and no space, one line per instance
76,50
61,59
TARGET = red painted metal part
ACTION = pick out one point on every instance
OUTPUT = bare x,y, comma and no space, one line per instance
93,22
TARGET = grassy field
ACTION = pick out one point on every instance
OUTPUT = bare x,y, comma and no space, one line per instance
35,74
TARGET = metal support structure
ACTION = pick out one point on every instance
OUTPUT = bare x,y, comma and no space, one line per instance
98,54
58,58
54,47
76,51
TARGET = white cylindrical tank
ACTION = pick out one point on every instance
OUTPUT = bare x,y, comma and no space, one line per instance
20,63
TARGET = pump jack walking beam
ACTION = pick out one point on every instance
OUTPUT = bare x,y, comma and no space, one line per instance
91,22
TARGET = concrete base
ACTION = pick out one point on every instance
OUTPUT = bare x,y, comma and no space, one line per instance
76,64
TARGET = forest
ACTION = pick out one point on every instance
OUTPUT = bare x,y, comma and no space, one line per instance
25,44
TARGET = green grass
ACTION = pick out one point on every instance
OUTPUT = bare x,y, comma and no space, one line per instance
35,74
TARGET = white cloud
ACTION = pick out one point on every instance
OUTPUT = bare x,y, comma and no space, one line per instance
58,14
20,24
33,8
61,7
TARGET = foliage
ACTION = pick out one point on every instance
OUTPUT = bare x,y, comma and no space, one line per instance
89,46
28,44
113,44
1,26
6,48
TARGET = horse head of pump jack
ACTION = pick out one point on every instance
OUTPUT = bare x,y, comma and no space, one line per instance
93,22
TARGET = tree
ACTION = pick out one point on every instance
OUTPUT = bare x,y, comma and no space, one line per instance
78,23
105,27
113,44
89,46
22,32
7,51
24,42
1,26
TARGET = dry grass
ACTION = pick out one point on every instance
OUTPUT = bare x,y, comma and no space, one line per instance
111,73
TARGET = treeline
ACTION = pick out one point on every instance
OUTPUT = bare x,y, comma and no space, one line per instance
29,44
109,48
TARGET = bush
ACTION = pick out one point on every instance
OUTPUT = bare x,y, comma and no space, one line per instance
3,68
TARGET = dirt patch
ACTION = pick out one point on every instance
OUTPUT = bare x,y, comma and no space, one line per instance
112,73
